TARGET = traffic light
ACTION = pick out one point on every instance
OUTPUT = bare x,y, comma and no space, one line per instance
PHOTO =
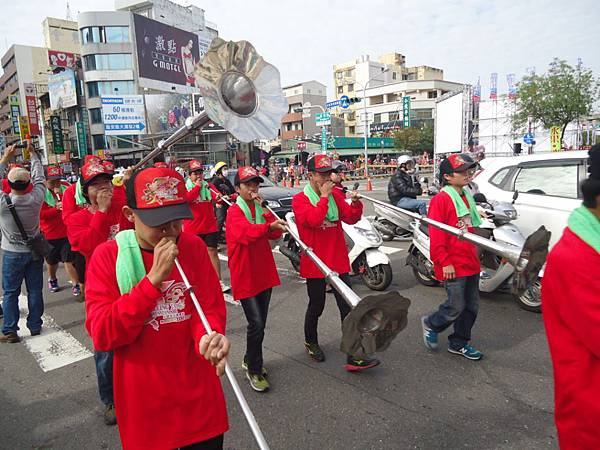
354,100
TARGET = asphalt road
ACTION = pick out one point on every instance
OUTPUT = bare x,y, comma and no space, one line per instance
415,399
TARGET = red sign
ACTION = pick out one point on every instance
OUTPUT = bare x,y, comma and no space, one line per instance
300,145
31,108
61,59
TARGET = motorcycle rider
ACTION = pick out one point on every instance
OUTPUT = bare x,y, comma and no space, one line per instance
403,188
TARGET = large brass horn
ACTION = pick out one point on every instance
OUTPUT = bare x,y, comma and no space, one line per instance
527,260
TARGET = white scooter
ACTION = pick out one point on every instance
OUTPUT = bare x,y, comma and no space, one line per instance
496,273
366,259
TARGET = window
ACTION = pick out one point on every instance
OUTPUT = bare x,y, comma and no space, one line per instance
498,178
432,94
394,116
90,35
116,34
351,87
114,61
96,115
339,75
351,116
109,35
340,89
557,181
423,114
352,129
377,118
393,75
98,140
93,89
98,88
349,73
392,98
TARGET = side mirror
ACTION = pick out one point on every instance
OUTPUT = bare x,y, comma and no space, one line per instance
515,197
479,198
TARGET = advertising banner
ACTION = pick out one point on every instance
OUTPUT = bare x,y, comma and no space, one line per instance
61,59
31,108
15,112
167,112
23,127
494,86
57,135
62,89
555,139
166,56
512,89
81,140
123,114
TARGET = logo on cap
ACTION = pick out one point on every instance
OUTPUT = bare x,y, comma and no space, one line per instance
54,171
456,160
161,190
322,161
247,172
195,165
93,167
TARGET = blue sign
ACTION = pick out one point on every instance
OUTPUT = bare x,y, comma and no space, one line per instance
332,104
124,114
529,138
345,101
124,126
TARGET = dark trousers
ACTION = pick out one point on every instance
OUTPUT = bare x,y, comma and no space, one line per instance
459,309
104,372
221,216
316,304
256,309
215,443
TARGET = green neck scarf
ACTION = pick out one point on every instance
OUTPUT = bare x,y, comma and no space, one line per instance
333,214
586,226
79,198
204,190
130,265
49,198
459,205
246,210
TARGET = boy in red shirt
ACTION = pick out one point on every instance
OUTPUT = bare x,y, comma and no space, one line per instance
319,215
571,300
455,261
55,231
247,231
167,392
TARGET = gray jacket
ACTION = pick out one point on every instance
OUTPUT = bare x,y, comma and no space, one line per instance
28,208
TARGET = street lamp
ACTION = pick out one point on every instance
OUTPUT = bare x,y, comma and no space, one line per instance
366,123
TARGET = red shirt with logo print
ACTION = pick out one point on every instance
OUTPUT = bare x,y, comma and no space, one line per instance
166,394
204,221
446,248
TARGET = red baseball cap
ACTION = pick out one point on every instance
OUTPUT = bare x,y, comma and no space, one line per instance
94,167
158,195
320,163
54,173
195,166
246,174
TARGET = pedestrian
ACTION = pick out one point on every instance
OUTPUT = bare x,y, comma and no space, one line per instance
19,261
166,368
201,197
319,215
455,261
99,221
248,231
224,186
55,231
571,302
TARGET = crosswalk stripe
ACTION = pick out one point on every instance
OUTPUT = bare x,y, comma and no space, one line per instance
54,347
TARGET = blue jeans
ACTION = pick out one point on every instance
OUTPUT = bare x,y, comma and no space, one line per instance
104,372
17,267
459,309
413,204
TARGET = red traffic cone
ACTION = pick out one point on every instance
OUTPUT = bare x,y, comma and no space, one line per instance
369,184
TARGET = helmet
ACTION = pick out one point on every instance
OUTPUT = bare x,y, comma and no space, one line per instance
338,166
219,166
404,159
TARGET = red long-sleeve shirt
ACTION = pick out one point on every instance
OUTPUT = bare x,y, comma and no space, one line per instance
325,238
571,304
166,394
446,248
204,220
86,231
69,204
251,264
51,221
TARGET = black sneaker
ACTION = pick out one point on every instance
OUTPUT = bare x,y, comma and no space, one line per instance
110,418
314,351
357,364
36,332
10,338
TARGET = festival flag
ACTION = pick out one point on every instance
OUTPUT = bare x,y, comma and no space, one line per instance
494,86
512,89
477,92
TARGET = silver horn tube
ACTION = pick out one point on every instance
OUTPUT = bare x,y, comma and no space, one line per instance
260,439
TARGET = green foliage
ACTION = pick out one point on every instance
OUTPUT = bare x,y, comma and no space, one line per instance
557,97
415,140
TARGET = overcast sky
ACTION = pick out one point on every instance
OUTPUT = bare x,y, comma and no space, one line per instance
467,39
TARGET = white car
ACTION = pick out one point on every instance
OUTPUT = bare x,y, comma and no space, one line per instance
548,186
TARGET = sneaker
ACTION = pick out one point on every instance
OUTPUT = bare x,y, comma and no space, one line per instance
357,364
314,351
10,338
430,337
53,285
36,332
258,382
110,418
76,290
468,352
263,371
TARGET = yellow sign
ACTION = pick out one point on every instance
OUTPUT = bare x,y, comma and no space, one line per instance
555,139
23,126
101,154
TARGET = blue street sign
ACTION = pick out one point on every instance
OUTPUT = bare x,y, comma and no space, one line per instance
529,138
332,104
124,126
345,101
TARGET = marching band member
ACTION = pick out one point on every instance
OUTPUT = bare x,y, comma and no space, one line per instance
319,215
167,392
571,302
248,230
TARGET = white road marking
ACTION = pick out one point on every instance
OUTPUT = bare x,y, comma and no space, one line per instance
55,347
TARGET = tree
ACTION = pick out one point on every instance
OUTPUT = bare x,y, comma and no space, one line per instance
557,97
414,140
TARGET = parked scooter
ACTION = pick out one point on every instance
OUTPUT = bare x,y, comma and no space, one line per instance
391,224
496,273
366,259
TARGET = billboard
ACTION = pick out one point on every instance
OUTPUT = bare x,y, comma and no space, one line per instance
31,107
449,124
61,59
15,112
123,114
166,56
62,89
167,112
